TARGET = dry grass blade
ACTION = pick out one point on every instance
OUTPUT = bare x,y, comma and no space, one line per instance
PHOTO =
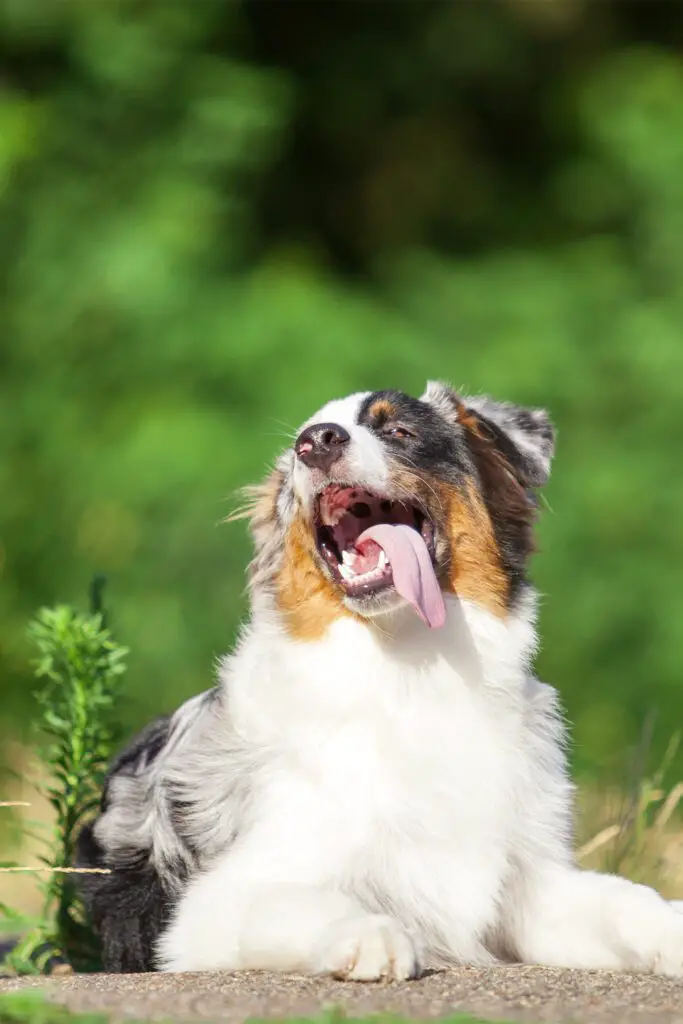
669,806
601,839
56,871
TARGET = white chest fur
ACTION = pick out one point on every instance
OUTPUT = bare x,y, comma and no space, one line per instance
409,804
392,770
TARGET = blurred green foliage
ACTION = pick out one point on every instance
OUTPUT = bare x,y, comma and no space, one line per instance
34,1007
215,216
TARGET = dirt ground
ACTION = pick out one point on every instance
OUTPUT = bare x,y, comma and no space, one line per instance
513,993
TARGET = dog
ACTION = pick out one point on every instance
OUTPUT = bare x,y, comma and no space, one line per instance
377,785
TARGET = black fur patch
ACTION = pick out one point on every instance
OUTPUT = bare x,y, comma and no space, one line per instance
435,448
128,908
442,448
143,749
511,509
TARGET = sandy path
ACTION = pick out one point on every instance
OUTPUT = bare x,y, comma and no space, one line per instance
519,993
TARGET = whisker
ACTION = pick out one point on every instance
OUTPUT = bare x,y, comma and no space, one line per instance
290,430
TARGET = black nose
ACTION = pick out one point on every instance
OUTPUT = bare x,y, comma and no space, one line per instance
320,445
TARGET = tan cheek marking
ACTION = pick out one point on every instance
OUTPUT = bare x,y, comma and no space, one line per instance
475,572
309,601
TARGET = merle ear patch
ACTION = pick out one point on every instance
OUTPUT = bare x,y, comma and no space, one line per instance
443,398
525,437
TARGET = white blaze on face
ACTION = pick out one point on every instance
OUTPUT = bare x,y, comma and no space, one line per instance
364,462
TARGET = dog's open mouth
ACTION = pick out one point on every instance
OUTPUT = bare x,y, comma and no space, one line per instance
372,544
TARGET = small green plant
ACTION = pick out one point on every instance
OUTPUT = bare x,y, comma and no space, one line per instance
79,666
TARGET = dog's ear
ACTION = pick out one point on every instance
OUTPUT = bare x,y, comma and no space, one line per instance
524,437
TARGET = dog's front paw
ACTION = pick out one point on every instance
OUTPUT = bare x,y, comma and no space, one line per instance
668,958
665,943
367,947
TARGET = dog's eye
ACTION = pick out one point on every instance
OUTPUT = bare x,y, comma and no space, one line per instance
400,433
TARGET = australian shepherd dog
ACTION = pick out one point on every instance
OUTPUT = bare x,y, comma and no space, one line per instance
377,784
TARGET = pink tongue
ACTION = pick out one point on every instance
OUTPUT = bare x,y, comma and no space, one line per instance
411,567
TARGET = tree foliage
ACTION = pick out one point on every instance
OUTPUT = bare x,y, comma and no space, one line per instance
215,216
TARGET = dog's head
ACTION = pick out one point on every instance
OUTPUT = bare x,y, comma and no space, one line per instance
385,499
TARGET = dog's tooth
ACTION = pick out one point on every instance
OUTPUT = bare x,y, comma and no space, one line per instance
329,514
382,561
347,558
346,571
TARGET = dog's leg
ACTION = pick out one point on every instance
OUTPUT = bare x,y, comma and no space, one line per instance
224,922
564,917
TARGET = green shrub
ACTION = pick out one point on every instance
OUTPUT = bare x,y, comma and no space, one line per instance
80,668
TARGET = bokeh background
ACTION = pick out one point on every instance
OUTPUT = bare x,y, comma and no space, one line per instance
215,216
